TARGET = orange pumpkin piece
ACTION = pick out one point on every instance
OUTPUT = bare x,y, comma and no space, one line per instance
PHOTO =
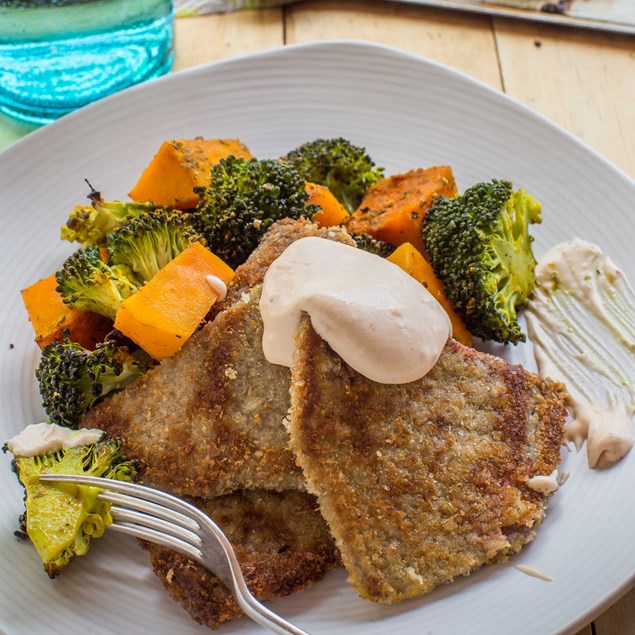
179,166
49,317
162,314
412,262
393,208
332,211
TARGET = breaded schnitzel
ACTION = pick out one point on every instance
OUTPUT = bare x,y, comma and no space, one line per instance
281,541
425,481
208,421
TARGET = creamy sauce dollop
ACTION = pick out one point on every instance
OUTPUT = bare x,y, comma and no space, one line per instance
544,484
581,321
218,286
380,320
39,438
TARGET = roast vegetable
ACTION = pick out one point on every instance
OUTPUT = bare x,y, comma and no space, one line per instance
345,169
244,199
73,379
480,247
90,224
164,313
146,244
372,245
62,519
180,166
50,317
393,209
412,262
88,283
331,210
134,252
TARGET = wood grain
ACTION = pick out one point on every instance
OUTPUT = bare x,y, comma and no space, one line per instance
582,80
462,41
619,619
212,37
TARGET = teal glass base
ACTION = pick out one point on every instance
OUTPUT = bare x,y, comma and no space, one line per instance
42,80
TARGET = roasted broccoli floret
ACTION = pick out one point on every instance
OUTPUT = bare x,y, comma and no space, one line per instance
61,519
147,243
88,283
72,379
373,245
136,251
344,168
244,198
90,224
480,247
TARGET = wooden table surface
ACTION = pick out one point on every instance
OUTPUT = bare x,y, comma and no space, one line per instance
582,80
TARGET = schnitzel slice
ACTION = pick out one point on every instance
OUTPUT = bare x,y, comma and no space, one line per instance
280,539
209,420
425,481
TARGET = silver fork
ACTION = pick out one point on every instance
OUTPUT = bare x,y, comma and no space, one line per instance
158,517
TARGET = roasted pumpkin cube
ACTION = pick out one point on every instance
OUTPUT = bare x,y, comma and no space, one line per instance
179,166
164,313
49,317
332,212
412,262
393,208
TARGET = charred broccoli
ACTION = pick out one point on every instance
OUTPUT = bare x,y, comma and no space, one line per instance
61,519
91,224
344,168
88,283
373,245
480,247
72,379
136,251
146,243
244,198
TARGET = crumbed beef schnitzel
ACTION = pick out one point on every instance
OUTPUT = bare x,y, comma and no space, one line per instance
208,421
425,481
280,539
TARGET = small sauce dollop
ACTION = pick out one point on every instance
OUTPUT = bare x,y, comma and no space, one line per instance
581,321
544,484
40,438
375,316
218,286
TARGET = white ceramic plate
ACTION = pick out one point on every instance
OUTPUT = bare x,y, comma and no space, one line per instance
408,112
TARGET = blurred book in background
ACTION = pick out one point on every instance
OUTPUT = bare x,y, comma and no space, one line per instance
606,15
200,7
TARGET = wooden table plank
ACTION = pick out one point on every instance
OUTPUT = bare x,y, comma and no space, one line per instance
582,80
462,41
619,619
212,37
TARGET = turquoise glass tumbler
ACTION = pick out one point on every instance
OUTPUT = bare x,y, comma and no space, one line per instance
59,55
